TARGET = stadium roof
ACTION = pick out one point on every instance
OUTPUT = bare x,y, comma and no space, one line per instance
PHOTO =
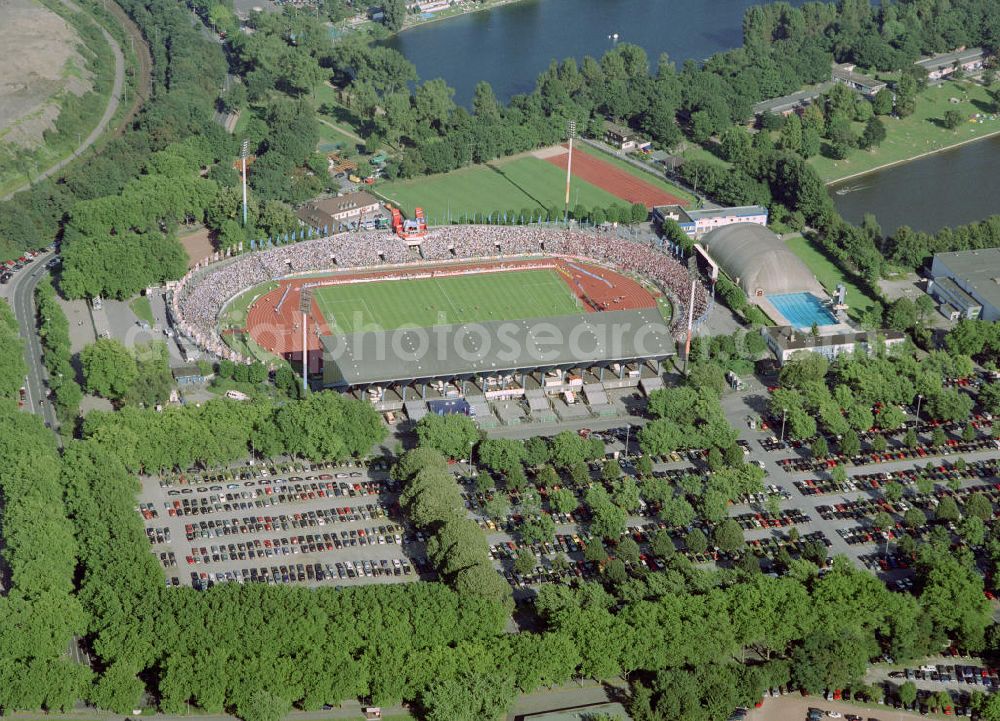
494,348
756,258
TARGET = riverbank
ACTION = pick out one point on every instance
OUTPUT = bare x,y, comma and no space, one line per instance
463,7
920,134
903,161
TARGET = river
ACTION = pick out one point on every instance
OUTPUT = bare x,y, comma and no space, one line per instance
946,189
509,46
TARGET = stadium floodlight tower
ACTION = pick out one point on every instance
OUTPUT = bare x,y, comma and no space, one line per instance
570,132
244,148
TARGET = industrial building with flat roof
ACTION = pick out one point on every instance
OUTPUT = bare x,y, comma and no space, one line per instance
966,283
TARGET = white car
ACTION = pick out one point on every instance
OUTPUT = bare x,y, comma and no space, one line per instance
833,714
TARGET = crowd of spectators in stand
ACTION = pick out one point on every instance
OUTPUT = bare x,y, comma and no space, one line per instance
200,296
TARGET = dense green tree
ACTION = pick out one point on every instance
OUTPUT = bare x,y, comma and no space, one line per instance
109,369
728,536
454,435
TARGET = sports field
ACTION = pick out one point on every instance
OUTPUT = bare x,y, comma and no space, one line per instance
523,183
424,302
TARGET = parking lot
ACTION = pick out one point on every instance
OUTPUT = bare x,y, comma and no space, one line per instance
342,525
305,523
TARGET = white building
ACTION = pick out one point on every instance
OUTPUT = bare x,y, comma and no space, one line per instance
785,341
698,222
968,60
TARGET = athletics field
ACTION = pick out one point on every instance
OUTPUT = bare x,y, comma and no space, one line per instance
425,302
526,184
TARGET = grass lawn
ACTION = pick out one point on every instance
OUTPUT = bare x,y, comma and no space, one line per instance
921,132
143,311
516,184
696,152
426,302
235,316
828,274
329,135
651,178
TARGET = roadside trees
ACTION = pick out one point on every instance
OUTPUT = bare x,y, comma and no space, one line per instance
882,521
914,518
538,529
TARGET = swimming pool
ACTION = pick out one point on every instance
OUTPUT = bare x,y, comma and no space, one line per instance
802,309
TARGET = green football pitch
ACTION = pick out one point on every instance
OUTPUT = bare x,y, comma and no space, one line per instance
425,302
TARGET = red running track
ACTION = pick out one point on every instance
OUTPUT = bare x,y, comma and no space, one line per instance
280,331
613,179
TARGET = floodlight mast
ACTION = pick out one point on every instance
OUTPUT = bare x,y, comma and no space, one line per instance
244,149
570,132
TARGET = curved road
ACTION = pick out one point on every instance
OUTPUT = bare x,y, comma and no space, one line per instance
21,294
109,112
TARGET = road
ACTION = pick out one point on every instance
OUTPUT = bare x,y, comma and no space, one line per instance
109,112
21,293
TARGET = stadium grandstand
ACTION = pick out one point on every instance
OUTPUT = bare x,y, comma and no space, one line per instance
477,354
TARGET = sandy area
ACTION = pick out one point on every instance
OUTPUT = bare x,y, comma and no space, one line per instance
794,707
550,152
40,59
198,245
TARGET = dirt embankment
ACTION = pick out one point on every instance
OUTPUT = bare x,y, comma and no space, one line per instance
40,61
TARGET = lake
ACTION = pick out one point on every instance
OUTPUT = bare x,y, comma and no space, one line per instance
951,188
510,45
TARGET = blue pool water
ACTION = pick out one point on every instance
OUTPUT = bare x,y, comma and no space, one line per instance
802,309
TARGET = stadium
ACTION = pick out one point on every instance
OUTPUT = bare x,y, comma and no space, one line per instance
462,311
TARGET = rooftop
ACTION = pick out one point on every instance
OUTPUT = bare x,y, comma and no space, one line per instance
186,371
789,338
619,130
955,291
978,271
937,62
320,212
690,216
792,100
494,347
846,73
